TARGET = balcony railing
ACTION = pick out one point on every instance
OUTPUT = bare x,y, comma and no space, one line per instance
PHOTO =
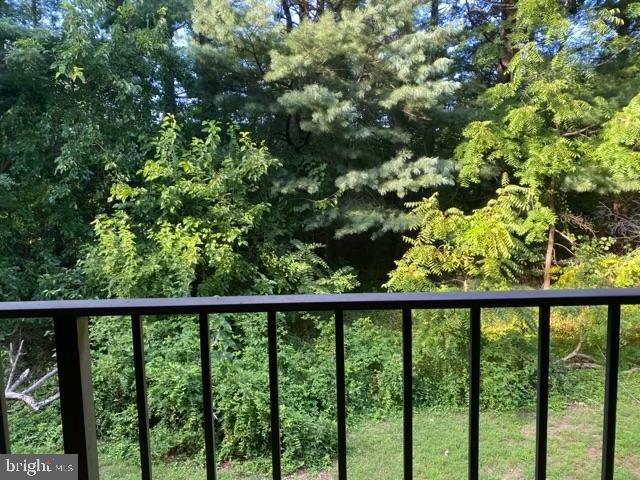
71,328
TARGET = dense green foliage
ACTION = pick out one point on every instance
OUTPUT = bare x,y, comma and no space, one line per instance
218,147
346,95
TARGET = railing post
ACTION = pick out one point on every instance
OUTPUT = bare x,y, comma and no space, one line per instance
407,394
76,392
341,397
542,401
611,392
474,393
207,397
5,445
141,396
272,335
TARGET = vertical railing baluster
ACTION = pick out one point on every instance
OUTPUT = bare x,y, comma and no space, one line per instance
474,393
5,444
542,403
407,393
76,392
141,396
611,391
272,334
341,396
207,397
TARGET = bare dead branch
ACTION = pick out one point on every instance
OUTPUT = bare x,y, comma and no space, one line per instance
40,381
34,404
631,370
624,226
13,361
23,376
12,392
580,360
579,221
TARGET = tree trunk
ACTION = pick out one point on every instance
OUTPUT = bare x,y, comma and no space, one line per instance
168,80
435,4
286,10
169,94
548,260
507,14
551,241
35,15
303,10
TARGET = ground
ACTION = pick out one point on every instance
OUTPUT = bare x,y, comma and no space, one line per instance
507,443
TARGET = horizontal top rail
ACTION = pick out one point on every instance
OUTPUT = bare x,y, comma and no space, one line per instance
346,301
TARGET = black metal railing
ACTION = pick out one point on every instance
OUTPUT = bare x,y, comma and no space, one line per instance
71,327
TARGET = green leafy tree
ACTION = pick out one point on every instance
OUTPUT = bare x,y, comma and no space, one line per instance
618,146
491,247
31,12
543,124
197,223
350,97
77,108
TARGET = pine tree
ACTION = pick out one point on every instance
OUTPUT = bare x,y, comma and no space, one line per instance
351,99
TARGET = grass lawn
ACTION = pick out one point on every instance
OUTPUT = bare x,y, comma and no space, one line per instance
507,442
